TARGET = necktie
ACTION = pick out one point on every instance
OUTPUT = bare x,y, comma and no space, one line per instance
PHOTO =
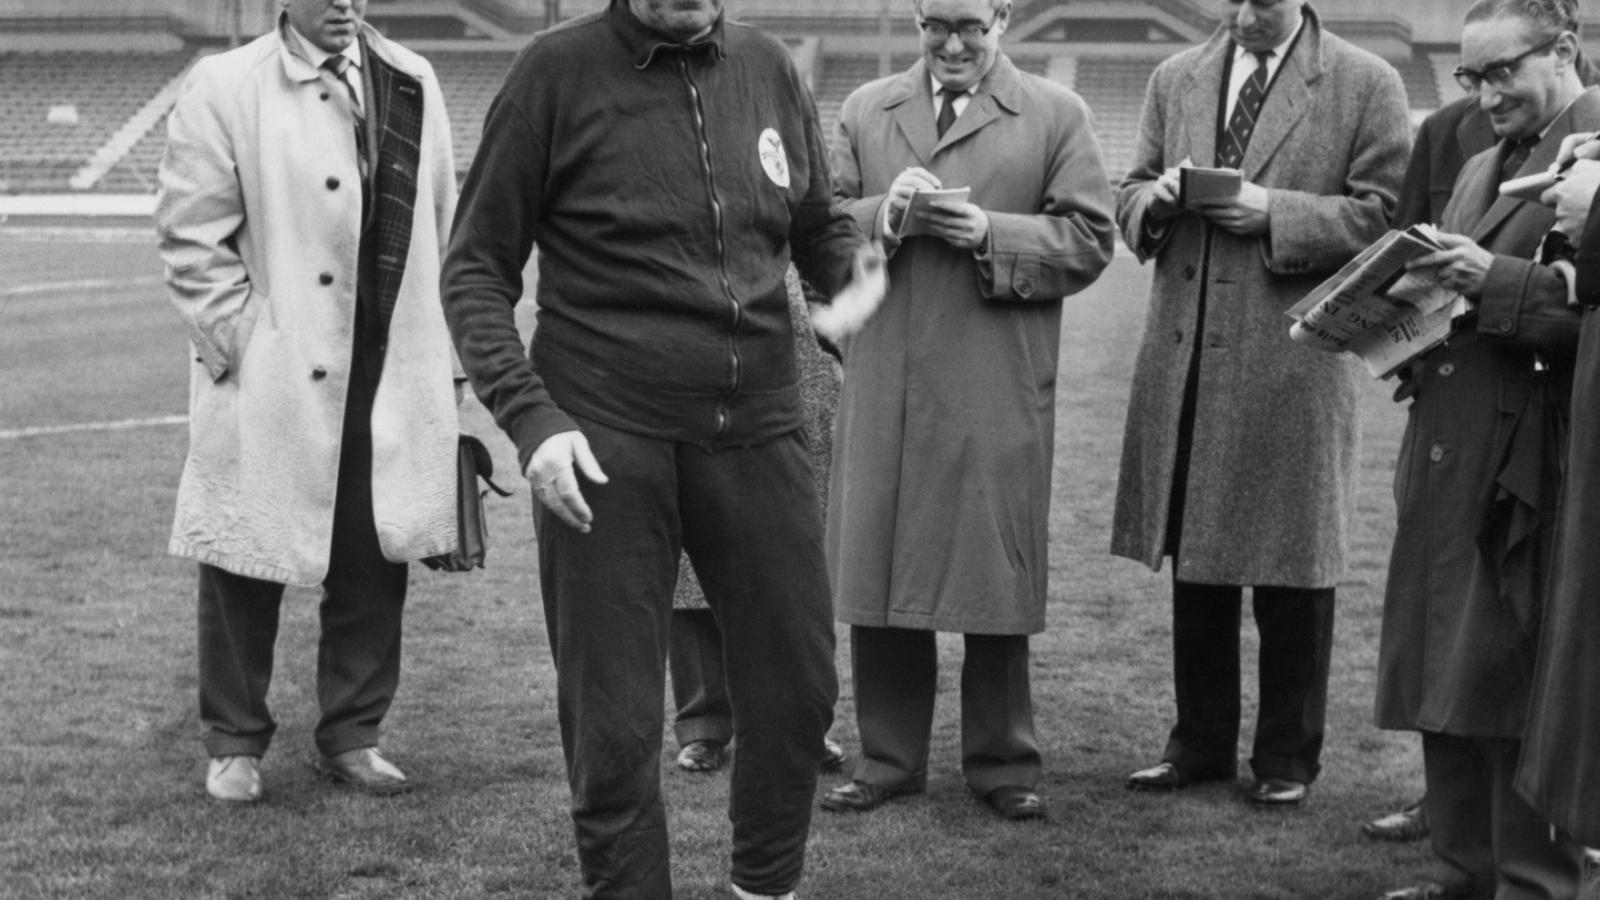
338,65
1516,153
1230,150
947,110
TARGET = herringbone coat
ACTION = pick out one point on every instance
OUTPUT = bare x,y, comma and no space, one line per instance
1272,472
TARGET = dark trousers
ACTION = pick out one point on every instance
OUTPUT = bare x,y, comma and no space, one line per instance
699,683
1296,628
896,678
749,519
358,654
1489,842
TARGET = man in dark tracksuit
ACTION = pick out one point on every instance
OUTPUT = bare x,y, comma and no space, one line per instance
658,406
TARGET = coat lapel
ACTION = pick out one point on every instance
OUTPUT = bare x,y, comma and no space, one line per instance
910,102
1288,98
1202,99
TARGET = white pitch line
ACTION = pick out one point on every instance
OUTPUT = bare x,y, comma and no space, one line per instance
87,284
123,425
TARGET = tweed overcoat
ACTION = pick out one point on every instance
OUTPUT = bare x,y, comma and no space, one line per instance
1560,770
260,219
1271,477
1483,441
938,514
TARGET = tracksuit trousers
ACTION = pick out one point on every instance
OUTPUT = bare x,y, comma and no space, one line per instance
750,521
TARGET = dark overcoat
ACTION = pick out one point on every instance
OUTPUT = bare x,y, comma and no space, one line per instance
1560,769
1478,472
938,515
1272,473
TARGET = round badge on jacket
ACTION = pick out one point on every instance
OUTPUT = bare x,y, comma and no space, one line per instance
773,159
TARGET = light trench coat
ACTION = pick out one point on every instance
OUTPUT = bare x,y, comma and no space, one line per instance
1271,478
938,515
259,217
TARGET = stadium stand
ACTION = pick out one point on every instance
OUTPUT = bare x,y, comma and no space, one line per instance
469,81
59,108
87,119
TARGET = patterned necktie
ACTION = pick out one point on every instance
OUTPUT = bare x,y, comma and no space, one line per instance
338,65
1230,151
947,110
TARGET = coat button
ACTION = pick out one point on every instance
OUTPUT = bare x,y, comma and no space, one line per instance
323,95
325,278
1506,325
1446,370
1437,453
319,373
1189,272
1177,335
333,183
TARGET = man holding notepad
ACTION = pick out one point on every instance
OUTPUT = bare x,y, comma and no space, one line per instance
1239,459
938,514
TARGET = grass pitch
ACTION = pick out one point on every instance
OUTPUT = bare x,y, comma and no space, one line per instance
101,770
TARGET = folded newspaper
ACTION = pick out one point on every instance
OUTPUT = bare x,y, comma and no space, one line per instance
1376,309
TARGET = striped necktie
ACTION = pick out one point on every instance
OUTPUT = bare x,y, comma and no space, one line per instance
1230,151
338,65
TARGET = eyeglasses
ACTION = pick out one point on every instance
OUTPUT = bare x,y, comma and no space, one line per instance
971,30
1499,74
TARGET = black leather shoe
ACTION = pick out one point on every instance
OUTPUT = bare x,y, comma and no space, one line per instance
1409,824
1166,776
858,796
1271,791
703,756
832,756
1015,802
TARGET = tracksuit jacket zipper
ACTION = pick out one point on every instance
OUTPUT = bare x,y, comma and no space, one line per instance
722,251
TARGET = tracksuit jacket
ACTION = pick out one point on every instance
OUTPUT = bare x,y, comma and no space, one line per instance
666,186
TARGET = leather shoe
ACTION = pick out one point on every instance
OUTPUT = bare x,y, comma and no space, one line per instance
858,796
832,756
1015,802
1272,791
1409,824
365,770
703,756
234,779
1166,776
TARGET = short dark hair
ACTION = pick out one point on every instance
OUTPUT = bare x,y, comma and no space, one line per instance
1550,16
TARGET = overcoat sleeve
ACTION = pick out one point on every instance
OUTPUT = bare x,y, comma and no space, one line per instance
198,212
1063,248
843,157
1319,232
1137,187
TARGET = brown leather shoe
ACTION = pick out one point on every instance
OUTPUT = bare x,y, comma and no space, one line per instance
1272,791
858,796
703,756
1015,802
366,770
1409,824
